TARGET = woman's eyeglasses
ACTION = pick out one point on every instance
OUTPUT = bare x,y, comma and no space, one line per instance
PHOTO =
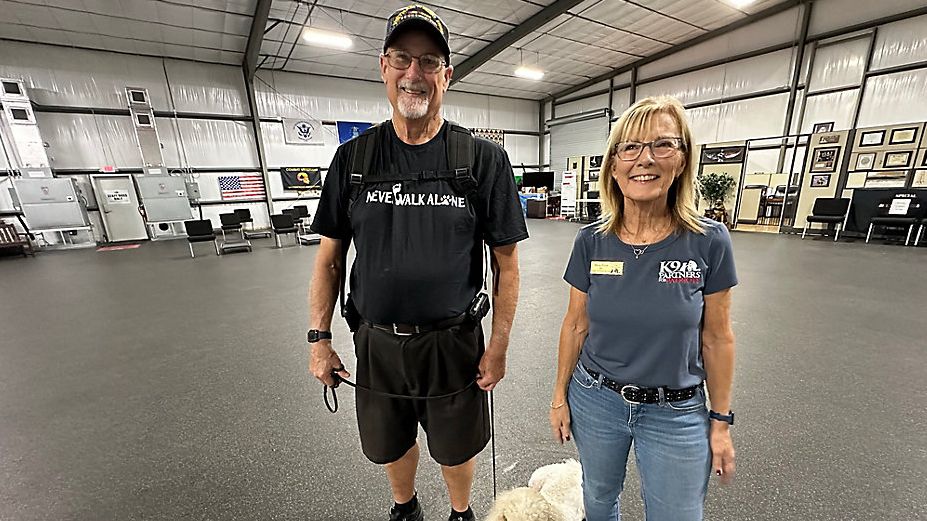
659,148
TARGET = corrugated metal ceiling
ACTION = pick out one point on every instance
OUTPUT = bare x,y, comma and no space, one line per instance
590,39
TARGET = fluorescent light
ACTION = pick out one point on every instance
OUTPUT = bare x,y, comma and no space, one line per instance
741,3
529,73
327,39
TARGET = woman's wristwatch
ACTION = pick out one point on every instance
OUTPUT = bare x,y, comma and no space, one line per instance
726,418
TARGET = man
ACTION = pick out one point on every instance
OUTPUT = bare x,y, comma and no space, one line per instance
418,221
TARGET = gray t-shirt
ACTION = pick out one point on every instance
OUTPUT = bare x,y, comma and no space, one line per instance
645,314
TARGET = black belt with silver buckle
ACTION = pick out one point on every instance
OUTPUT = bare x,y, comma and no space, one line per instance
637,395
409,329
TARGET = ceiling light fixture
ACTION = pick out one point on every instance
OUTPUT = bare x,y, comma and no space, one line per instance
528,72
327,39
741,3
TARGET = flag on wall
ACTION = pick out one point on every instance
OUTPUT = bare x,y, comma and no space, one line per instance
245,186
348,130
302,131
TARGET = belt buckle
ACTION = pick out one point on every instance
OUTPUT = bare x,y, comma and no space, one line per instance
632,388
400,333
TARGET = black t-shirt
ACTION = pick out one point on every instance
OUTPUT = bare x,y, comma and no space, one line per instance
419,244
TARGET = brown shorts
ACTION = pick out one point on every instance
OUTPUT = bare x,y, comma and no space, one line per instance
429,364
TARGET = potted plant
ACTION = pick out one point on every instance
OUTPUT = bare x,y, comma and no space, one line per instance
716,188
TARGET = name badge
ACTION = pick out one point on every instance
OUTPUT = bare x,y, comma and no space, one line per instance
607,268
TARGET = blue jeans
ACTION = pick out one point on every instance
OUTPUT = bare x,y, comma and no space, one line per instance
670,444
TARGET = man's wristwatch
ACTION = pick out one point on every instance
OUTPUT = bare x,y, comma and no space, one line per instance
726,418
314,335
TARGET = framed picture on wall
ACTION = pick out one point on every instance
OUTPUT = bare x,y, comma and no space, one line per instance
897,159
829,139
920,178
901,136
873,138
820,180
924,160
885,179
825,159
865,161
822,127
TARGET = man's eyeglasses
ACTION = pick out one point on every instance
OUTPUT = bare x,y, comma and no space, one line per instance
659,148
429,63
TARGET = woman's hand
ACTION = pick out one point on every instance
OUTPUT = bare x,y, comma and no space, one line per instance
560,421
722,452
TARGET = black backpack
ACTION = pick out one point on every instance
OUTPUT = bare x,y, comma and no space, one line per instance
459,173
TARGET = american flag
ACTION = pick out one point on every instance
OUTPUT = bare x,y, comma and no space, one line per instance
245,186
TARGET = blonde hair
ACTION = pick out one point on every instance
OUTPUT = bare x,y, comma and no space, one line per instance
681,198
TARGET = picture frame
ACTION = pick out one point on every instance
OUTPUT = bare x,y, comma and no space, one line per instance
820,180
924,160
829,139
825,159
873,138
902,136
820,128
865,161
897,159
892,179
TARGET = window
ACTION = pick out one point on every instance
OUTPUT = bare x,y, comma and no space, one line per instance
137,96
12,87
20,114
144,120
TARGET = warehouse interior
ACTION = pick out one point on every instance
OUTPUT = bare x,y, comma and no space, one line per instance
153,370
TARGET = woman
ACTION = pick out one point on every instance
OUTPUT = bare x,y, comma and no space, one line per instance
648,322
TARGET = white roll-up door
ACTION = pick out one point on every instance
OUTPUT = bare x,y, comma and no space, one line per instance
582,135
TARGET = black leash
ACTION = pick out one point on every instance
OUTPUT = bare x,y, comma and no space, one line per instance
338,379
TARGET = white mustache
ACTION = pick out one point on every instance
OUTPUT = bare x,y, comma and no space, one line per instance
414,85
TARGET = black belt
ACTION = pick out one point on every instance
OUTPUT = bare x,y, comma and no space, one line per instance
635,394
409,329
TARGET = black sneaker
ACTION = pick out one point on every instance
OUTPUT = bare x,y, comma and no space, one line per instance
416,514
462,516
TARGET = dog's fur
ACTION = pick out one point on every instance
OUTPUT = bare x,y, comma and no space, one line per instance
554,493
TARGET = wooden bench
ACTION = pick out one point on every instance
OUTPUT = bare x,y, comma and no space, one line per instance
10,238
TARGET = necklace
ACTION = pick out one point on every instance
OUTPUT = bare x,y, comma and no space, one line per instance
639,251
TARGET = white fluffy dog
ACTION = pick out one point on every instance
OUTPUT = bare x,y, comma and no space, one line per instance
554,493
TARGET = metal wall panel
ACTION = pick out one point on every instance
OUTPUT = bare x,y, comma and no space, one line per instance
205,88
895,98
830,15
839,65
82,78
583,138
218,144
901,43
836,107
583,105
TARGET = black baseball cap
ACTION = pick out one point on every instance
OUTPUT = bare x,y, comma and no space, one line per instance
418,17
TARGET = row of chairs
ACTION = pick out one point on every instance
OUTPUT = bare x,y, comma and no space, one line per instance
834,211
290,221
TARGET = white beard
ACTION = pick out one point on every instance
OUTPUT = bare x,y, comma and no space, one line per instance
412,107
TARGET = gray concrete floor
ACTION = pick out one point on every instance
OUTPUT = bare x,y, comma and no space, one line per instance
142,384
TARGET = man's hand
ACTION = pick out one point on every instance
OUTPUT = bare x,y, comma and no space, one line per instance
323,360
722,452
491,369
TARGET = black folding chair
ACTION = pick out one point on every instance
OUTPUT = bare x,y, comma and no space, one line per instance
828,211
284,224
888,215
200,231
231,222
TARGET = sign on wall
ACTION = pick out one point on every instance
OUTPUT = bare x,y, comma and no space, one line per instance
301,178
302,131
723,155
348,130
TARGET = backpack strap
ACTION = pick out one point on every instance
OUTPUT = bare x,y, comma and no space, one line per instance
460,159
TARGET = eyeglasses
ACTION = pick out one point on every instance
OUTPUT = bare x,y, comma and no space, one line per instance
429,63
659,148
